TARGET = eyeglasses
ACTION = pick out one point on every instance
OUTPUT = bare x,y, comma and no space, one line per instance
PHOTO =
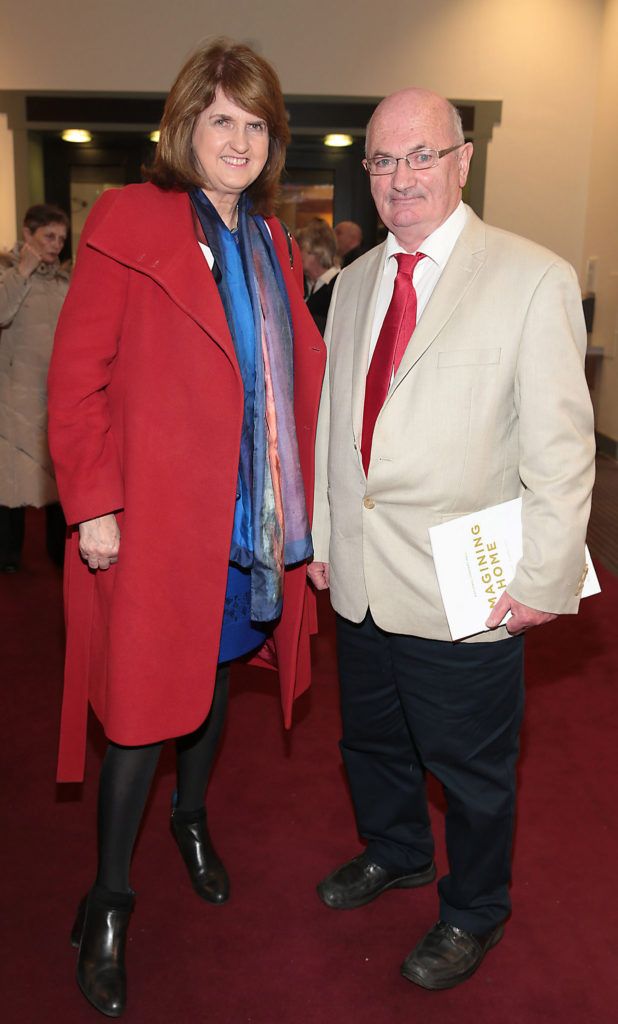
417,160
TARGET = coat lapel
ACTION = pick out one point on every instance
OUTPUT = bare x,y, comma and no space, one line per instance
463,265
368,289
152,232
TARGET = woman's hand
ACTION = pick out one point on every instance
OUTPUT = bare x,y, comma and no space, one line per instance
29,259
99,541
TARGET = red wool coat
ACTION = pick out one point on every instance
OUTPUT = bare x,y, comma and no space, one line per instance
145,411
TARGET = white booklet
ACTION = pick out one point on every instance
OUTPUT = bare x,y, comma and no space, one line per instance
475,558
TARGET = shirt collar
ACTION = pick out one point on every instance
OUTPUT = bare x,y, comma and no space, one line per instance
439,245
325,278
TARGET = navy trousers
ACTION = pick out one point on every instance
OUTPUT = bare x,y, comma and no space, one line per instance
411,705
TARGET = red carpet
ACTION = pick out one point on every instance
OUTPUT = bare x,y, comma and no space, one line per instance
281,818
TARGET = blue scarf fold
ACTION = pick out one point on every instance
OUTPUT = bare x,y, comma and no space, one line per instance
271,527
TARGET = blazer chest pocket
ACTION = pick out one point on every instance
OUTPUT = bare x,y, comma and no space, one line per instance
468,357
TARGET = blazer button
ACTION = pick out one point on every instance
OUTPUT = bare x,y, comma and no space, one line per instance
369,503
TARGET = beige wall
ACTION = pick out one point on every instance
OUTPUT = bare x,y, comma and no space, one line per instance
601,236
540,57
552,63
7,191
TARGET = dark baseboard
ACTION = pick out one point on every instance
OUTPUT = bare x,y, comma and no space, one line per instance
607,445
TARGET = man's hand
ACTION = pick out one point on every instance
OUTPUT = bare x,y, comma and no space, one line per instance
522,617
319,574
99,541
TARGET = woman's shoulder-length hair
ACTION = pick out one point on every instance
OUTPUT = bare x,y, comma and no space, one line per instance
318,239
246,79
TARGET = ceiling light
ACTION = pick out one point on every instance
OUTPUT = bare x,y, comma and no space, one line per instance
338,141
76,135
155,136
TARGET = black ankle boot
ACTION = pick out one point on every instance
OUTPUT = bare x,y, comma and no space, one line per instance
206,871
78,924
100,930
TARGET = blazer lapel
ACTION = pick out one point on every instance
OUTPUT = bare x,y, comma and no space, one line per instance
152,232
368,289
463,265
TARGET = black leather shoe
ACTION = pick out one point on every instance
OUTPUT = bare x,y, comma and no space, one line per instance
360,880
206,871
101,971
448,955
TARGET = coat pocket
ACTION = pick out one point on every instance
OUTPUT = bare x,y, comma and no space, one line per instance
468,357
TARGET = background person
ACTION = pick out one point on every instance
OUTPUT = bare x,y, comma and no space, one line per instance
33,285
349,237
318,250
484,400
183,398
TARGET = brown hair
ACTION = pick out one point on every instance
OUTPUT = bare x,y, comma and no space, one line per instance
42,214
247,80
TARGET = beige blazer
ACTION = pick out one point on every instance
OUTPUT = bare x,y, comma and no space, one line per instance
489,402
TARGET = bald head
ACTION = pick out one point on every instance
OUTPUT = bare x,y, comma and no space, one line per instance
349,236
415,102
412,202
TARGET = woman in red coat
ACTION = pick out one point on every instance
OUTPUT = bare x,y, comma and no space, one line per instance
183,396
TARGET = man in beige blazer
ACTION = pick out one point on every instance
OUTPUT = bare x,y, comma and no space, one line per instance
489,402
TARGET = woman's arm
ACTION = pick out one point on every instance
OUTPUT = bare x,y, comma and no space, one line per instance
82,366
15,283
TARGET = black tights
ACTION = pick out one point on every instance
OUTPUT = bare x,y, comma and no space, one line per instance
126,777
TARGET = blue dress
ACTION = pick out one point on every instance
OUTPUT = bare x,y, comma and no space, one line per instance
239,634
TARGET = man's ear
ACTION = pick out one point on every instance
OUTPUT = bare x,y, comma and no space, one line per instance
464,157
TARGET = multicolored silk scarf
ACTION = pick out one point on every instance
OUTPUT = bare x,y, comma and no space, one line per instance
271,527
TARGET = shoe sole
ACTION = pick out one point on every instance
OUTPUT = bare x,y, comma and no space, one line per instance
407,882
453,982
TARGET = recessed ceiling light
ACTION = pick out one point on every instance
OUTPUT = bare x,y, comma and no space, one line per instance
338,141
155,136
76,135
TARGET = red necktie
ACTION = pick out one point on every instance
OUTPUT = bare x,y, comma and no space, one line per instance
395,333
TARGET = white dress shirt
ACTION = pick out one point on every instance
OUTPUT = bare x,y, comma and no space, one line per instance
437,248
323,279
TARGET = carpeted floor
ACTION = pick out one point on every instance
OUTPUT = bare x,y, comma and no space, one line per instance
281,818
